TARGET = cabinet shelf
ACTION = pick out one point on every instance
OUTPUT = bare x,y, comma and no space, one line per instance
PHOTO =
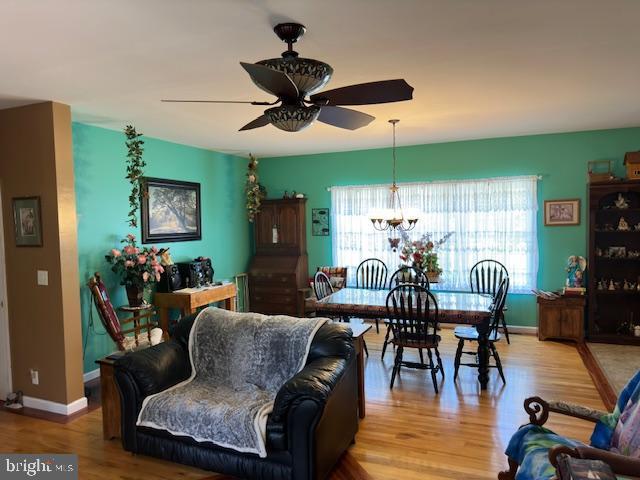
614,338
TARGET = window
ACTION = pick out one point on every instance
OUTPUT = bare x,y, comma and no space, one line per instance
491,219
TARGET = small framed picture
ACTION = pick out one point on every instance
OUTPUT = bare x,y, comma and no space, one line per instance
562,212
27,221
320,222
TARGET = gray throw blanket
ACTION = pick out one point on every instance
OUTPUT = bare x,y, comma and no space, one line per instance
239,363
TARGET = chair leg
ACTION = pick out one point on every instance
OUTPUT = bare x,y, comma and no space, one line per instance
433,371
505,329
456,362
440,362
366,350
496,357
386,341
396,366
421,356
377,325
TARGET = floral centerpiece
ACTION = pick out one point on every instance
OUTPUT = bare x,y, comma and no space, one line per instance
137,268
422,253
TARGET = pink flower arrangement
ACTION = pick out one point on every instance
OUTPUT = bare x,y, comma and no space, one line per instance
421,253
136,266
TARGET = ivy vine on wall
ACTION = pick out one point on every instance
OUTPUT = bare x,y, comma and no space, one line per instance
254,191
135,171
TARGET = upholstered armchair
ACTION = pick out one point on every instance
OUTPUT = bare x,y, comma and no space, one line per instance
533,449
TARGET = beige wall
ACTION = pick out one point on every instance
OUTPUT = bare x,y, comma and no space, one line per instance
44,321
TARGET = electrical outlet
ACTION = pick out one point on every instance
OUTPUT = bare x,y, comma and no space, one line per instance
35,379
43,277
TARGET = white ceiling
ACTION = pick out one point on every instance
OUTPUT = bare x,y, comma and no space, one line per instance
480,68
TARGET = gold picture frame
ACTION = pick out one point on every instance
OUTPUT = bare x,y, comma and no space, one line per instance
562,212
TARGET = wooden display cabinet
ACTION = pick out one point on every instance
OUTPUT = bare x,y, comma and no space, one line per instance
614,258
561,319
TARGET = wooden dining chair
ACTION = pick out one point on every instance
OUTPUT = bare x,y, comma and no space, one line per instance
413,315
322,285
405,274
485,277
322,288
470,334
372,273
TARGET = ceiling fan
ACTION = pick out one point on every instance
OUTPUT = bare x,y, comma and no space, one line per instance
295,80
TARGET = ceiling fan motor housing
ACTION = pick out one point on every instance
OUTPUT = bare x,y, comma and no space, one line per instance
307,74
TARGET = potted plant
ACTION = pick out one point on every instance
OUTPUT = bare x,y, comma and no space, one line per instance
422,254
137,268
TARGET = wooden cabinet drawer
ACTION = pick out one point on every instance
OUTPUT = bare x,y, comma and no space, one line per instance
271,279
274,289
272,298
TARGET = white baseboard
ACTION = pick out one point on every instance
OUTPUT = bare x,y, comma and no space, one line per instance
512,328
54,407
91,375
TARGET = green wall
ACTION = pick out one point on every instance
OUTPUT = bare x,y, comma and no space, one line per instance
102,206
561,159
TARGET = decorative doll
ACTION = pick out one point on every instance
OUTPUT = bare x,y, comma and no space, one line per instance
576,265
621,202
623,226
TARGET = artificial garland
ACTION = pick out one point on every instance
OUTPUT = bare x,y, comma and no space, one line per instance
254,191
135,170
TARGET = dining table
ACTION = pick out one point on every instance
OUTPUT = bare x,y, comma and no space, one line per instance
453,307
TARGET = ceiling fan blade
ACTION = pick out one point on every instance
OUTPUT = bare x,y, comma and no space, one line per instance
261,121
272,81
344,117
216,101
384,91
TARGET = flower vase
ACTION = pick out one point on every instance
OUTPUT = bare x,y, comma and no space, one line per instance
434,277
135,295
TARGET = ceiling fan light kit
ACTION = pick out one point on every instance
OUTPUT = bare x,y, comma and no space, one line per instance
296,81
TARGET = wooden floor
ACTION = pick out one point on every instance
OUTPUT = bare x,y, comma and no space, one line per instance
409,433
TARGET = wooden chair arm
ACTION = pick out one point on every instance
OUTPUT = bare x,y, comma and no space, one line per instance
620,464
539,409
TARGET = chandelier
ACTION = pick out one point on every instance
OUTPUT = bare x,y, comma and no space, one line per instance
393,217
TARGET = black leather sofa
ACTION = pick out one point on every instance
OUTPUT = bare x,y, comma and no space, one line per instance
314,419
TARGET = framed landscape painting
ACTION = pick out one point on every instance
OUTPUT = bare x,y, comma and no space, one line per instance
170,211
27,221
562,212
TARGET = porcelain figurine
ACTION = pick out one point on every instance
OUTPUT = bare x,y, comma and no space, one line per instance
621,202
601,285
598,252
576,265
627,286
611,285
636,227
623,226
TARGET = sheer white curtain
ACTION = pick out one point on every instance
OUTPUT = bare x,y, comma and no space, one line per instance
491,219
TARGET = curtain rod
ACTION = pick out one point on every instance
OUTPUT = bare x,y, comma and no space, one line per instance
538,177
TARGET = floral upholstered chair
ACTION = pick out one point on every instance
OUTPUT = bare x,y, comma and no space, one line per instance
337,276
615,439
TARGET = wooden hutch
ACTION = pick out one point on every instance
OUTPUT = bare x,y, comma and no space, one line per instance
279,267
614,262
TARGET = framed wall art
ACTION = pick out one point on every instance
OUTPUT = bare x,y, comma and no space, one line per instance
170,211
562,212
27,221
320,222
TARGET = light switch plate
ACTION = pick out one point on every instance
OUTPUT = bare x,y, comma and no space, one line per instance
43,277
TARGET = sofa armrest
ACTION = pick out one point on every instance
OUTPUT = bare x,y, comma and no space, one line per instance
156,368
314,382
539,409
145,372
